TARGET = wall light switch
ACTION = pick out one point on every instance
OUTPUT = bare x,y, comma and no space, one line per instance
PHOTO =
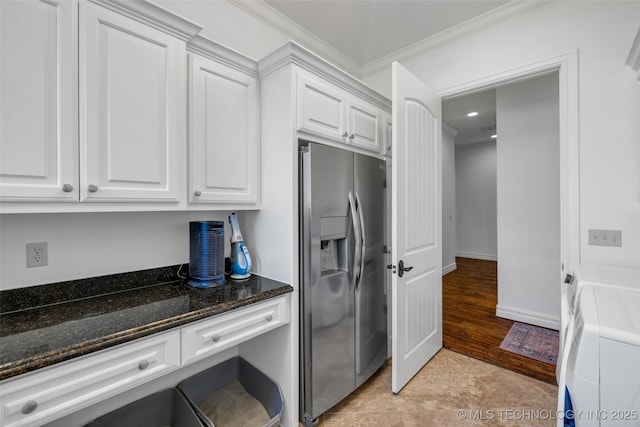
605,238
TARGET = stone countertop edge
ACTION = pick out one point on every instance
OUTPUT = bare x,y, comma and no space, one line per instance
23,366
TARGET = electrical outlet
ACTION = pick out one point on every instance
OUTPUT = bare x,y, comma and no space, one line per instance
37,254
605,238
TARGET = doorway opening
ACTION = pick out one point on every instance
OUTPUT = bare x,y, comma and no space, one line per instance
506,188
565,67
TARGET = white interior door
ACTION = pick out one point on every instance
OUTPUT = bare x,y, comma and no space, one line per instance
416,226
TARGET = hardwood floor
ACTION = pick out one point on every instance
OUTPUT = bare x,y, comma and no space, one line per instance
470,325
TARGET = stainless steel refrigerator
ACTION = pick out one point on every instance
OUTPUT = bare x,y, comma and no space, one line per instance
343,320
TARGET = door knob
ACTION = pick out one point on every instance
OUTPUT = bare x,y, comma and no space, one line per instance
92,188
402,268
67,188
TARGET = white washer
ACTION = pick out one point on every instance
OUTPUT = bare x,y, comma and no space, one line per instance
586,276
603,360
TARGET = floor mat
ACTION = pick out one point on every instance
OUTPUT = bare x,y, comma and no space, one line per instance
533,342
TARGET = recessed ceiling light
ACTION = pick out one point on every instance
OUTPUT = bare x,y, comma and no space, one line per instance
472,114
494,136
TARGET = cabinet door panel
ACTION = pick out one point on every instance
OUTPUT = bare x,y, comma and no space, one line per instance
38,138
321,109
129,82
223,134
364,126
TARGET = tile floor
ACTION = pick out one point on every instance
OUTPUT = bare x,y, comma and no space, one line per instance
451,390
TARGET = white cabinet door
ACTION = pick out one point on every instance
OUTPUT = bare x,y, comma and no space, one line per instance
38,101
364,125
321,109
132,90
224,134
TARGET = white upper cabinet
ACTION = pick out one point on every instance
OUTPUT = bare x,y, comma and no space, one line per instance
364,122
321,109
38,101
132,87
93,106
224,126
327,111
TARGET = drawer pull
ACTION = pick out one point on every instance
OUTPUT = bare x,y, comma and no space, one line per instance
216,338
268,318
143,365
29,407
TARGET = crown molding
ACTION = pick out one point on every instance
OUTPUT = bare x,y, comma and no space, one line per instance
483,21
154,15
293,31
293,53
633,60
215,51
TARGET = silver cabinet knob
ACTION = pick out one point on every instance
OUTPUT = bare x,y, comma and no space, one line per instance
352,136
143,365
215,338
344,135
29,407
268,318
197,193
67,188
92,188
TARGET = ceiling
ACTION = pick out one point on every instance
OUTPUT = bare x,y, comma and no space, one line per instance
367,30
472,129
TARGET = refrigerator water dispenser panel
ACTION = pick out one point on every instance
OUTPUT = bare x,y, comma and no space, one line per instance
333,243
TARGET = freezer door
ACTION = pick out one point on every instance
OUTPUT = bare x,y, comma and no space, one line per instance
327,257
370,298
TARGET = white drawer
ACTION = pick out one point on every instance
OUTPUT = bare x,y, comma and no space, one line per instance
35,398
227,330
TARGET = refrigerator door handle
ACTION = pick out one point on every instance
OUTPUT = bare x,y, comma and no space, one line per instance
362,241
357,258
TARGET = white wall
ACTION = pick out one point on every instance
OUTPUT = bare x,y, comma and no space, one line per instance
528,153
476,225
602,32
448,199
94,244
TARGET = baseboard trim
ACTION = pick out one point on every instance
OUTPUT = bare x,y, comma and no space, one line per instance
485,257
449,268
526,316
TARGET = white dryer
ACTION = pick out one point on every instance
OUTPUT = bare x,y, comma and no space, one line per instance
601,358
589,274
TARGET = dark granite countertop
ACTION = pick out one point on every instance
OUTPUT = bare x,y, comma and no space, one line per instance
48,324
